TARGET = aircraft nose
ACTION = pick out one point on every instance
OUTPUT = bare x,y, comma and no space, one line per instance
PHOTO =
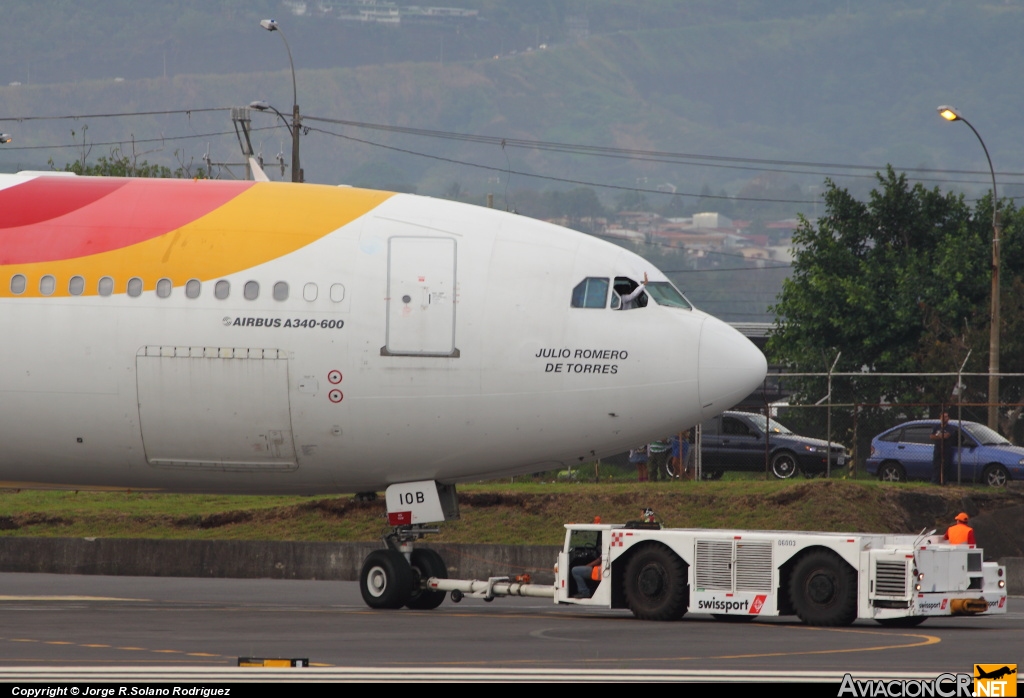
730,367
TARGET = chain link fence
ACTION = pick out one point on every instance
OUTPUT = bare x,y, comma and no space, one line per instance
852,408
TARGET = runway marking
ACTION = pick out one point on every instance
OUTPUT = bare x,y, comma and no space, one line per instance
66,598
925,640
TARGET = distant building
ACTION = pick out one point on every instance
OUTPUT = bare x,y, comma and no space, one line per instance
711,220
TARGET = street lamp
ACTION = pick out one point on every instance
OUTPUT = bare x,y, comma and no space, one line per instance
951,114
271,25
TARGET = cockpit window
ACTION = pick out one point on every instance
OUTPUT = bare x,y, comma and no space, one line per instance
668,295
592,292
628,294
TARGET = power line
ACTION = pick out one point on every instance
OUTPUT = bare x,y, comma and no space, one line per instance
665,157
654,155
93,144
552,178
163,112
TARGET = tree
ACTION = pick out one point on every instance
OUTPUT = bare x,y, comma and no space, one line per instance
897,284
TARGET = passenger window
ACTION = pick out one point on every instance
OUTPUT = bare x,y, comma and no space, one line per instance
192,288
918,434
281,291
76,286
309,292
47,285
106,286
592,292
163,288
734,427
221,289
135,287
337,293
251,290
18,284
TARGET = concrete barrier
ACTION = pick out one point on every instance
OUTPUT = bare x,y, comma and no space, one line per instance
284,560
253,559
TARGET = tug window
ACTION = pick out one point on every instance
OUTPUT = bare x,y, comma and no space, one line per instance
592,292
76,286
18,284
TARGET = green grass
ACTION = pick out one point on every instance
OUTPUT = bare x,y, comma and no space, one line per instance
525,512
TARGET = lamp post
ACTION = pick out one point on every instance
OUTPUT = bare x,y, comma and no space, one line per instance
951,114
271,25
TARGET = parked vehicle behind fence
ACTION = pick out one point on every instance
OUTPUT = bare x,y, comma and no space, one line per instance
748,441
980,454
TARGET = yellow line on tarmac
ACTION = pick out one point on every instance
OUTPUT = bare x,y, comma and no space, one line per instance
924,640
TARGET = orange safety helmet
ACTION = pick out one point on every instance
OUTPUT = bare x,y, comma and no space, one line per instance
961,517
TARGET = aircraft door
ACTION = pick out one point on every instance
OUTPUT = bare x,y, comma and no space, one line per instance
421,297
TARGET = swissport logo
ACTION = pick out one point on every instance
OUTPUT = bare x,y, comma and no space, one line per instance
732,605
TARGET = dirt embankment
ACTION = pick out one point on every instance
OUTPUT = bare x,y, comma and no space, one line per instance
536,516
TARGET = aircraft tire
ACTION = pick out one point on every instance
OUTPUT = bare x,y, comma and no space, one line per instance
386,580
823,589
426,563
655,583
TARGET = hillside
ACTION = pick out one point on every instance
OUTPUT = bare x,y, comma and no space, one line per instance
796,89
740,108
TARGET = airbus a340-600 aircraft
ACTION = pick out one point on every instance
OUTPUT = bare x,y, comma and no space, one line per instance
257,337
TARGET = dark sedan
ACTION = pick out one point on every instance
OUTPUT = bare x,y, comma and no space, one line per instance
748,441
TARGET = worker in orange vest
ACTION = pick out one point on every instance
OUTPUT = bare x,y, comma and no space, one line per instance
960,533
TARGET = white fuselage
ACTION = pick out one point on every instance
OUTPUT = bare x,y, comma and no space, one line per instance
422,340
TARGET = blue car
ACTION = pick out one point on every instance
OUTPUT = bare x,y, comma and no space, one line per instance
905,453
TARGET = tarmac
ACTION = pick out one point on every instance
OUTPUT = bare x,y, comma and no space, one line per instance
140,557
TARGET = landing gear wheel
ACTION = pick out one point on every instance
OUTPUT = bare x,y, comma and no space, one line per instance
426,563
784,465
655,584
907,622
891,472
385,580
823,588
995,475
